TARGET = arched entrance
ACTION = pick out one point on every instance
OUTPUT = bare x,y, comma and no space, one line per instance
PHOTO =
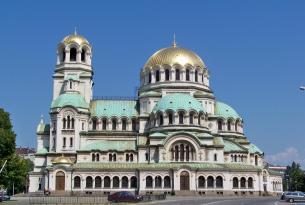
60,181
184,181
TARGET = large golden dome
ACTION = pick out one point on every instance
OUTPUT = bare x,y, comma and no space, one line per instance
174,55
62,160
75,38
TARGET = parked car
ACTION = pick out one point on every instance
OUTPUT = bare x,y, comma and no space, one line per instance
283,196
124,196
295,196
4,197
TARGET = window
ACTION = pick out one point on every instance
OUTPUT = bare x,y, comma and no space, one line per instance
191,118
114,157
106,182
77,182
149,182
167,74
157,75
124,182
170,118
210,182
116,182
124,124
113,124
89,182
68,120
93,157
146,157
72,123
127,157
215,157
236,126
98,182
177,74
149,77
250,182
83,126
104,124
187,75
160,119
235,182
243,182
219,182
229,125
196,76
64,123
64,142
71,142
94,124
201,182
167,182
63,55
219,125
158,182
73,53
110,157
181,117
134,124
70,84
133,182
97,157
256,160
131,157
83,55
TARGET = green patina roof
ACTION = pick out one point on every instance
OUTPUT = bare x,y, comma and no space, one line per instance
204,135
225,111
253,149
232,147
42,151
151,94
166,166
114,108
70,99
178,101
43,128
71,76
218,141
105,145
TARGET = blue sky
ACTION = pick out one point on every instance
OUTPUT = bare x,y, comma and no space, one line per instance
255,51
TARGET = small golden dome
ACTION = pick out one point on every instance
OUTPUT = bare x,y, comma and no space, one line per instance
174,55
75,38
62,160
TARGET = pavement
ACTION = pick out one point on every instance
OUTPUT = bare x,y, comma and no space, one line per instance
189,201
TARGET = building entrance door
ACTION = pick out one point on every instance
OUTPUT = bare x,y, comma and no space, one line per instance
60,181
184,181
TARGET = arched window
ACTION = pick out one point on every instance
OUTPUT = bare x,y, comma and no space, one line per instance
196,76
149,182
157,75
256,160
170,118
77,182
97,157
219,124
127,157
177,74
113,124
68,120
83,55
181,116
229,125
106,182
201,182
236,125
64,142
71,142
73,53
187,75
114,157
72,127
94,123
110,157
199,119
187,153
131,157
219,182
89,182
149,77
104,124
98,182
167,74
134,125
133,182
64,121
250,182
63,55
243,182
160,119
93,157
235,183
124,182
210,182
115,182
215,157
182,152
191,118
158,182
167,182
176,153
235,158
70,84
124,124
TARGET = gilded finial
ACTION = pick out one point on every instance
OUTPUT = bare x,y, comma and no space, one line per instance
75,32
174,42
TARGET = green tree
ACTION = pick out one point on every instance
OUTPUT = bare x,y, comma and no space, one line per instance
7,135
296,178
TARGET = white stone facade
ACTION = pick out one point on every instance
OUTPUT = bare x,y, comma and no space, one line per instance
175,137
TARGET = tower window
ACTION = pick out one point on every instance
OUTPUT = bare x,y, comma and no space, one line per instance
104,124
73,53
167,74
187,75
191,118
124,124
157,76
229,125
71,142
83,55
181,117
215,157
219,125
149,77
113,124
160,119
70,84
196,76
170,118
64,142
177,74
94,123
134,125
63,55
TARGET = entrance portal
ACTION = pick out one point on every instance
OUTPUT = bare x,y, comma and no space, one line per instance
184,181
60,181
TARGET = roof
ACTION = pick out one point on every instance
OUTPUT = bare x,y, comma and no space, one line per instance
75,38
106,145
114,108
70,99
72,76
178,101
225,111
43,128
232,147
42,151
24,150
218,141
253,149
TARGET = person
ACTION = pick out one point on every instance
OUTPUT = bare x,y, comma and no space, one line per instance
46,192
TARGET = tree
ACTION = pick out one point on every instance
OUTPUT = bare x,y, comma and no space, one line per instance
295,177
7,135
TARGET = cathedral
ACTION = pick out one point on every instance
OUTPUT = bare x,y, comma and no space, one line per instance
175,137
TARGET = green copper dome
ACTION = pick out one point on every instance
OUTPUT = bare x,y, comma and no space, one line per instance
178,101
225,111
70,99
